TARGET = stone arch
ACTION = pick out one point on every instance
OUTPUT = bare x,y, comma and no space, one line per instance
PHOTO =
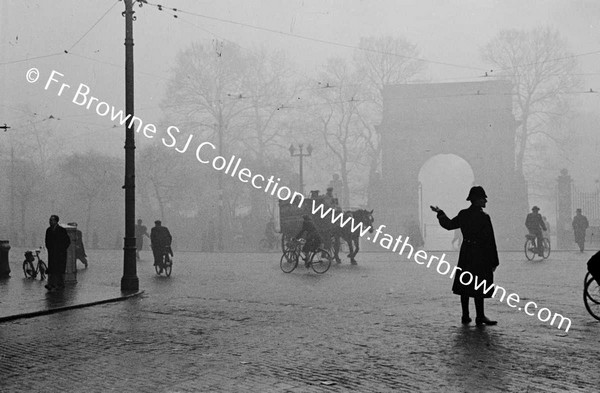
472,120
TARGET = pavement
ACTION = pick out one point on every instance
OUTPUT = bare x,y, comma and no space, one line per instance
26,298
236,323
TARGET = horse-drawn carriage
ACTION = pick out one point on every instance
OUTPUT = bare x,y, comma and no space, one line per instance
291,217
290,222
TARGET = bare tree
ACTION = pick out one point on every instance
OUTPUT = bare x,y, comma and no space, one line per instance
92,177
382,61
336,114
541,67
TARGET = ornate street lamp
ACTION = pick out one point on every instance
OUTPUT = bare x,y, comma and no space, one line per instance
301,154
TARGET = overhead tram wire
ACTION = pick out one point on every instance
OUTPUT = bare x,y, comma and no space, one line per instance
92,27
160,8
72,46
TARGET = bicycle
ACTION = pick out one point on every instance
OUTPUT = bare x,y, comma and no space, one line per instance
29,269
530,249
166,264
293,252
591,295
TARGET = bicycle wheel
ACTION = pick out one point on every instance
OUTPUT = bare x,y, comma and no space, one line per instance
592,290
42,268
168,265
320,261
157,268
546,252
289,261
28,269
590,293
529,249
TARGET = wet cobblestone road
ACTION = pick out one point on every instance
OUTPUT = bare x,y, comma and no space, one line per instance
236,323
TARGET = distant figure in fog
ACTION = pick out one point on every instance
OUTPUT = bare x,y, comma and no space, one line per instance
413,231
79,248
57,242
478,254
208,238
161,242
546,233
140,231
580,224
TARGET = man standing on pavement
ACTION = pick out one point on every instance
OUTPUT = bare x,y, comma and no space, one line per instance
57,243
580,224
140,231
161,242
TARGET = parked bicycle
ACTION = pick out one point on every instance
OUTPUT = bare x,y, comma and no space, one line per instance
319,260
166,265
30,269
530,249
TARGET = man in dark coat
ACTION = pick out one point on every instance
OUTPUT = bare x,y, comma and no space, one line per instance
535,225
140,232
478,254
311,235
57,243
580,224
161,242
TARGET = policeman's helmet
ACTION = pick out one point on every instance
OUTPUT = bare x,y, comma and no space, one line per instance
476,192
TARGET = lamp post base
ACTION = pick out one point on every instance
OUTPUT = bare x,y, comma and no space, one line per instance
130,284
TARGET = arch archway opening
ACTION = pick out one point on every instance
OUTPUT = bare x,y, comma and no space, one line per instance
444,181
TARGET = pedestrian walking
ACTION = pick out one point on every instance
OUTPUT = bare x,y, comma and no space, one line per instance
580,224
478,255
79,248
140,231
57,243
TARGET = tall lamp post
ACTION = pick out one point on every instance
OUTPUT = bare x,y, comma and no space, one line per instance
301,154
129,281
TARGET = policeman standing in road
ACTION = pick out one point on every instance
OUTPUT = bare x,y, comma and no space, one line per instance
478,254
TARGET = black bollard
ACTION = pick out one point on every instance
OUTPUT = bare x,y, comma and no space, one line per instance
4,266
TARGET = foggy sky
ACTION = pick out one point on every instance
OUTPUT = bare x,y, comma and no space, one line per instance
445,31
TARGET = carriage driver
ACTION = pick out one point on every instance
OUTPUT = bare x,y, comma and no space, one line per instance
313,240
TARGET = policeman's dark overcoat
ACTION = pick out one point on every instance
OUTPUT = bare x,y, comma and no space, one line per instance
478,254
57,242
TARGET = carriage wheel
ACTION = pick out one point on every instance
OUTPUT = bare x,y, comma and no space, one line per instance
320,261
529,249
591,294
546,252
43,269
28,269
592,290
289,261
157,268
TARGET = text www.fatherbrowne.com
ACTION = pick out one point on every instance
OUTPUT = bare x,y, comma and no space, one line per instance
403,247
82,97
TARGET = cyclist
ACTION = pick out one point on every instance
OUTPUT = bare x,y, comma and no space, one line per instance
535,225
161,243
313,240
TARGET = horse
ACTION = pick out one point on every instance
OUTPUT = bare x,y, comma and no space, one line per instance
362,216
